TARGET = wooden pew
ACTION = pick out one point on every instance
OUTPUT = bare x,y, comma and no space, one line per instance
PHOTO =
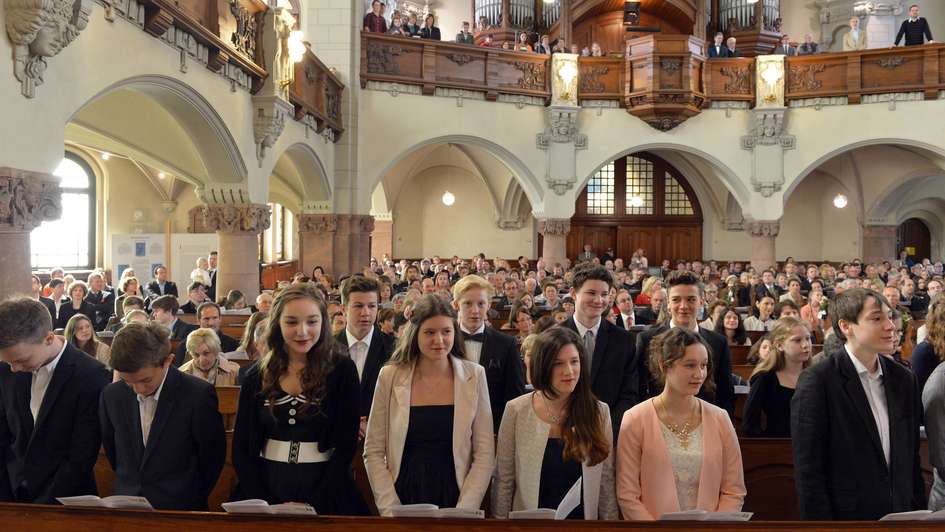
227,402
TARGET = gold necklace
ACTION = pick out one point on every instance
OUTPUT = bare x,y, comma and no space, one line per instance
683,432
554,419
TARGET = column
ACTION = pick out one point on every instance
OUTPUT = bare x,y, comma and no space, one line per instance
879,243
763,234
564,22
238,227
317,242
27,199
382,239
359,250
554,232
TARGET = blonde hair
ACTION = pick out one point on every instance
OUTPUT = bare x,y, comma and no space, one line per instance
201,336
782,329
648,285
935,323
468,283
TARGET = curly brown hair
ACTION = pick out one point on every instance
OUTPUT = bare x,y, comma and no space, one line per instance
321,358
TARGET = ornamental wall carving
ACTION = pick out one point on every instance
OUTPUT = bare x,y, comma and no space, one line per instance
766,229
236,218
554,226
27,200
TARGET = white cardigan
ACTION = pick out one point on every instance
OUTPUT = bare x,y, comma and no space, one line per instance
473,443
521,451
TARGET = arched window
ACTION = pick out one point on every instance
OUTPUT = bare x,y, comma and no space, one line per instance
278,241
69,242
636,187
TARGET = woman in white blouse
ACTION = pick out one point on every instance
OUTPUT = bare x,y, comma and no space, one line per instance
555,445
429,435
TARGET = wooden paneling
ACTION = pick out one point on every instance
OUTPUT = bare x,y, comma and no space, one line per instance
601,78
729,79
278,271
316,91
665,87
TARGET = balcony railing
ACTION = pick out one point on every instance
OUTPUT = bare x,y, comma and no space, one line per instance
317,92
662,70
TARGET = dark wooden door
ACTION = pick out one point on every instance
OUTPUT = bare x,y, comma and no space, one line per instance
915,234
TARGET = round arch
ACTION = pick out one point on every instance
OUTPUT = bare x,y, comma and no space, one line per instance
520,172
218,151
308,173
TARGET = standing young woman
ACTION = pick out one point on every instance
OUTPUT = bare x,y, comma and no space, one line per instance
557,436
774,379
677,452
430,435
297,421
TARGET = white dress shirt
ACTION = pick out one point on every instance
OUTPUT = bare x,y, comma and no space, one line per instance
694,329
147,406
876,396
473,348
39,383
358,349
855,34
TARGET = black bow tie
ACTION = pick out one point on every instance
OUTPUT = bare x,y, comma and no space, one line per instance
478,337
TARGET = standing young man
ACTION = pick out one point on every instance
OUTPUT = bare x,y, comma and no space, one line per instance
367,346
49,393
161,429
493,350
610,351
683,303
855,420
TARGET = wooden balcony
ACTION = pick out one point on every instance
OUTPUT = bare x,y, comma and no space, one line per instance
317,92
230,29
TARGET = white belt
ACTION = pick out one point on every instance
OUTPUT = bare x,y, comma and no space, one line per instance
294,452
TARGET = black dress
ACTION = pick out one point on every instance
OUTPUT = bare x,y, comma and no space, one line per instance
769,397
427,471
328,486
557,477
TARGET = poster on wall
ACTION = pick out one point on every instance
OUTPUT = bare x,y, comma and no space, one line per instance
141,253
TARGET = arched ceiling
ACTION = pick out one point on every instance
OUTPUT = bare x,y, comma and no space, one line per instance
679,13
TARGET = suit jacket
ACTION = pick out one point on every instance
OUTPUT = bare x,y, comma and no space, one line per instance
186,447
430,33
504,373
181,329
780,50
154,289
761,291
724,396
104,305
55,456
66,312
646,316
519,456
473,443
614,378
839,467
646,487
723,51
808,49
188,308
849,45
51,307
212,290
378,354
227,344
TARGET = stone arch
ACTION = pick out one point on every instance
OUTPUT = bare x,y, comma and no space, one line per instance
891,198
220,157
930,212
520,172
300,167
513,203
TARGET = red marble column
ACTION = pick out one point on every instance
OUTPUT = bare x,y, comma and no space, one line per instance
27,199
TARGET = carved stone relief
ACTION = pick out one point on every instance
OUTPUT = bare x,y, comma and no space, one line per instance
590,78
768,229
740,80
554,226
533,75
27,200
318,223
39,30
382,58
270,114
236,218
244,38
804,78
562,126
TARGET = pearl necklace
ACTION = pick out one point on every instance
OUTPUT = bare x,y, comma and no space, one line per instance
554,418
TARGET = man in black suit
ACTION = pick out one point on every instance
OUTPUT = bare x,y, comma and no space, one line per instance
916,302
767,287
367,346
730,47
625,317
493,350
164,311
610,349
208,316
785,47
685,300
101,299
49,393
650,315
718,49
160,286
161,429
196,294
855,420
212,265
37,287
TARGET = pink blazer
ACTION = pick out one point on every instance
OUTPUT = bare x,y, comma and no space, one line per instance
646,487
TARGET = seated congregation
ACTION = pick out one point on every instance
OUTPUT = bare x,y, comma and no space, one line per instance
598,392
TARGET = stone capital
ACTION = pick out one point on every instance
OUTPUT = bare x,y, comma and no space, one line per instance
27,199
365,222
318,223
554,226
236,217
763,228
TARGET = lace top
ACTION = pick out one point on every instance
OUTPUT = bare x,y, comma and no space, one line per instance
687,464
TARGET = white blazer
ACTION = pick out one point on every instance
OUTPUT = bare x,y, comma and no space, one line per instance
521,450
473,438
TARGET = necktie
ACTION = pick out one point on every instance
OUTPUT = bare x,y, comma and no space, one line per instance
589,346
148,406
478,337
38,390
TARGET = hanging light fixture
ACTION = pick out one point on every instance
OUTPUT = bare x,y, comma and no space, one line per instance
840,201
448,198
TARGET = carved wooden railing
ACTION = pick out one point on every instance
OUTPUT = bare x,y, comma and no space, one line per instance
601,78
856,74
435,64
729,80
317,92
230,29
